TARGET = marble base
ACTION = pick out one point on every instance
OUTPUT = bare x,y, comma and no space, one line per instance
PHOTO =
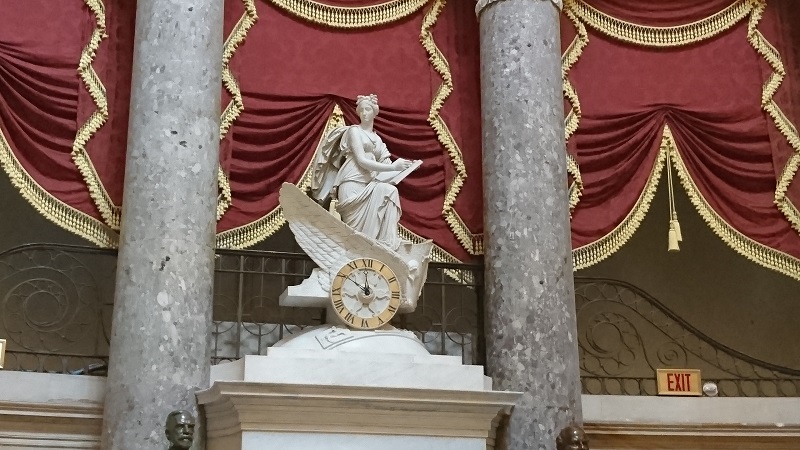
297,398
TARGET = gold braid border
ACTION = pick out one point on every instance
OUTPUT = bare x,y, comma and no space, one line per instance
568,59
576,188
236,105
661,36
353,16
52,208
773,57
590,254
473,243
750,249
109,211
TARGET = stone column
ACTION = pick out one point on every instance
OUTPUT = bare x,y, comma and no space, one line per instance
160,339
530,314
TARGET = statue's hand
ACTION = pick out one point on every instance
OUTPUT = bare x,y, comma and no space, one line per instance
401,164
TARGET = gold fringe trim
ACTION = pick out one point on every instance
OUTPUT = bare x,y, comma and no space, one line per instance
236,105
98,118
660,36
768,104
255,232
473,243
750,249
590,254
350,16
576,188
572,121
568,59
52,208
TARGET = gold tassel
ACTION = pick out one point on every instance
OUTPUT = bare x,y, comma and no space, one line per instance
674,236
677,227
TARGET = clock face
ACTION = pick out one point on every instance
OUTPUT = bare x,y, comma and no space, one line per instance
365,294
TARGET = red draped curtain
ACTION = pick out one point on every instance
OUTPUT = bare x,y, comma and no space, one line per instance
710,97
292,72
66,87
710,88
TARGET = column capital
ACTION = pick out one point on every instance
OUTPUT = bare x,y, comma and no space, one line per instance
482,4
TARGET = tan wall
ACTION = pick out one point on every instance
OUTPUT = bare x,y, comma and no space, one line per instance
729,298
21,224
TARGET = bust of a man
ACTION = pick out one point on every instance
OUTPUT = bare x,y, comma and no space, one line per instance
572,438
180,430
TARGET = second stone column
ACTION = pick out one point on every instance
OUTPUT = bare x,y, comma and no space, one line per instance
530,313
163,298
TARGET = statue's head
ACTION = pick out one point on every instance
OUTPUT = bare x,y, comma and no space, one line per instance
572,438
180,430
367,106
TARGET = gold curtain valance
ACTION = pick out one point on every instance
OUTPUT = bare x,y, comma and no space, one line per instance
350,16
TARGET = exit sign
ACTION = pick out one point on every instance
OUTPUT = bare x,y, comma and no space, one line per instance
678,382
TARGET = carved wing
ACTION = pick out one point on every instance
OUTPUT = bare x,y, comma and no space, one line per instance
328,240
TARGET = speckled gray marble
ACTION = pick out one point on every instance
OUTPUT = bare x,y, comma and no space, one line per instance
530,307
481,4
162,313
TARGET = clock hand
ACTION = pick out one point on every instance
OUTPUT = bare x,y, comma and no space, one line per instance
363,289
366,284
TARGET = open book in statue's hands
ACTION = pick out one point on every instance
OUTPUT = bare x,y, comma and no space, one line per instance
396,176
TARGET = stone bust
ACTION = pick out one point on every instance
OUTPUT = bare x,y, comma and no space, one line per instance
572,437
180,430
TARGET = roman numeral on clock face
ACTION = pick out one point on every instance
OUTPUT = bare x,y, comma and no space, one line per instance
339,305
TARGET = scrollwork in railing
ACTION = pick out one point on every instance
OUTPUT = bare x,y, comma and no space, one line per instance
52,306
625,335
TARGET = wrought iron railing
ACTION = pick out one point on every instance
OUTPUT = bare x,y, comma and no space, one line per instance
624,335
248,318
57,301
55,307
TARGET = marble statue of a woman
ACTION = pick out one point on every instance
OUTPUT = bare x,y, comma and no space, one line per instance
349,167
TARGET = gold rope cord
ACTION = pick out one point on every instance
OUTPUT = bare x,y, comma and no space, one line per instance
98,193
750,249
350,16
473,243
52,208
236,105
786,127
661,36
572,121
590,254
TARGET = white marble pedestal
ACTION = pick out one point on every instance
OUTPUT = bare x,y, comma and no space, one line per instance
305,394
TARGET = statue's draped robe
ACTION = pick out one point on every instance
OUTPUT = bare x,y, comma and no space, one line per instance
365,204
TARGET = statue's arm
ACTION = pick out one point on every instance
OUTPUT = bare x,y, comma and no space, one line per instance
357,151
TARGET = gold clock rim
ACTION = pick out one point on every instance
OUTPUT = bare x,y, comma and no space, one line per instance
393,301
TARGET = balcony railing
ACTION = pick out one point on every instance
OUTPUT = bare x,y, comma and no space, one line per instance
57,302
